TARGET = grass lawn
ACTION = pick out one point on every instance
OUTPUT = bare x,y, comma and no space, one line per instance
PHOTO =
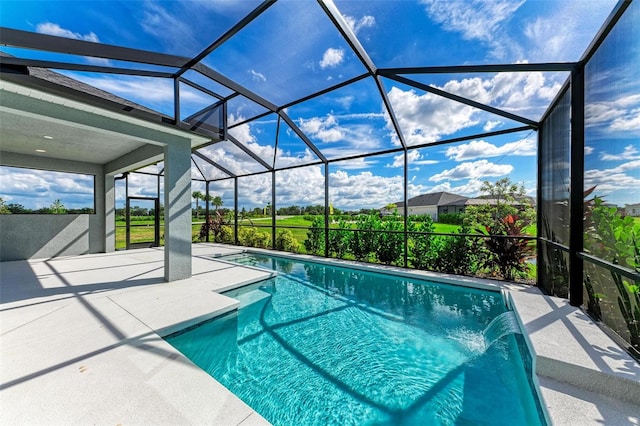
142,230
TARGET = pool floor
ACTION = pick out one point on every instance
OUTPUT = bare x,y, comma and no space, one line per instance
320,345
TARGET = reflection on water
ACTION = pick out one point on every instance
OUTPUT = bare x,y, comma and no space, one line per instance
323,345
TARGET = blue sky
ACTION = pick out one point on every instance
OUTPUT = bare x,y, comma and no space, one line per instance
292,50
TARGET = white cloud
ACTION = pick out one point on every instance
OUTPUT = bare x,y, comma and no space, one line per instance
610,180
618,115
426,118
366,21
476,20
365,189
629,122
476,170
630,153
36,189
483,149
470,189
174,32
56,30
332,58
414,158
256,76
324,129
347,139
564,29
490,125
156,93
588,150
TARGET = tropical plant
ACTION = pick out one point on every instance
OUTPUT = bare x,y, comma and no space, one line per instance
197,195
216,226
217,201
3,207
509,250
504,199
57,207
616,239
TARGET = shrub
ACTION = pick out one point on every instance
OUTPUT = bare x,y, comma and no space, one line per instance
459,254
363,242
451,218
339,240
421,252
314,244
285,241
252,237
390,244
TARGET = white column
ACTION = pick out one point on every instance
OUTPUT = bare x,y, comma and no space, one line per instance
109,213
177,210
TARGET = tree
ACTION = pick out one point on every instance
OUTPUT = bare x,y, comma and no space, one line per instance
3,208
504,198
197,195
217,201
18,208
57,207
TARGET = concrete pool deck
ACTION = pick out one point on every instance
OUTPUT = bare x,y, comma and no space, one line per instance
80,344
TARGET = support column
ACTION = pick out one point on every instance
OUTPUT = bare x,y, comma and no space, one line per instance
576,230
177,210
109,213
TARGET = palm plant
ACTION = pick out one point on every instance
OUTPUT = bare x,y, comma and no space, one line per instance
197,195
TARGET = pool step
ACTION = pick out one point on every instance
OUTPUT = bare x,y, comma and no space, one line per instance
251,297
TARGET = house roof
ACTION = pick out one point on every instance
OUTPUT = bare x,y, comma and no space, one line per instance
435,199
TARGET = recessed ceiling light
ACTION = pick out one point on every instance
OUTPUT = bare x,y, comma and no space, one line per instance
40,150
48,137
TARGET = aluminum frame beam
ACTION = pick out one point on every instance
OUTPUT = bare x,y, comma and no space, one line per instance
8,60
463,100
36,41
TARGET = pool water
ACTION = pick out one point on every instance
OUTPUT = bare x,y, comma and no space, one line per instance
320,345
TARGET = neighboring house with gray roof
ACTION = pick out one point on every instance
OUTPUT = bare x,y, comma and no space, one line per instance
433,204
438,203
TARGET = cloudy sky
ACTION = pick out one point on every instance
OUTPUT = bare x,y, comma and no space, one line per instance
292,50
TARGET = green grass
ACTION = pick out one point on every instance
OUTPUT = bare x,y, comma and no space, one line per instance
142,230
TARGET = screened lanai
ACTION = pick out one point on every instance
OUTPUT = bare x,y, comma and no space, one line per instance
292,105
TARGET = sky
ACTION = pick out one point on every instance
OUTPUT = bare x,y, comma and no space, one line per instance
292,50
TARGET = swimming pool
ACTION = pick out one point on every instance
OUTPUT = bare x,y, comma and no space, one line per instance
321,344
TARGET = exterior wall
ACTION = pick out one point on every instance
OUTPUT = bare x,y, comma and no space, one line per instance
421,210
424,210
632,210
453,209
33,236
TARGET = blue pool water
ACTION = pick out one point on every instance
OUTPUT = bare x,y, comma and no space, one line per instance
320,345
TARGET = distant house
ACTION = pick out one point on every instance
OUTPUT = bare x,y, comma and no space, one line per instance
434,204
632,209
437,203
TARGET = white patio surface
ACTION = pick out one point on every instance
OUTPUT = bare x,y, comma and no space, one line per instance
80,344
